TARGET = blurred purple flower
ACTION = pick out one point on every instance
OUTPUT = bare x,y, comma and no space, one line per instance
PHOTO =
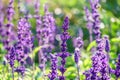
45,29
1,21
39,34
100,63
9,37
117,70
96,18
64,54
24,43
53,74
21,70
107,44
89,22
78,43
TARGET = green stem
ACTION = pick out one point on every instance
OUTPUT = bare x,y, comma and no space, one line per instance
13,73
78,70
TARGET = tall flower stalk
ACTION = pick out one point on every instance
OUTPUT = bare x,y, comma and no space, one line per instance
89,23
1,22
24,44
40,37
8,39
78,44
53,74
45,28
100,67
39,34
96,18
64,54
100,59
104,60
117,70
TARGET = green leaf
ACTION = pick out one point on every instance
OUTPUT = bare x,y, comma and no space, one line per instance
35,51
115,39
92,44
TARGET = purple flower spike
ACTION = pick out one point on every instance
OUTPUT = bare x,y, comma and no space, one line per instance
45,28
24,44
89,22
78,43
117,70
64,54
10,10
9,36
21,70
107,44
77,55
99,63
53,74
96,18
1,21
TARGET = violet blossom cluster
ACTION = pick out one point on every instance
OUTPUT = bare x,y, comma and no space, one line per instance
45,28
53,74
116,71
9,36
78,43
107,44
103,59
9,26
48,30
96,18
1,21
25,43
99,63
39,35
100,58
89,22
64,54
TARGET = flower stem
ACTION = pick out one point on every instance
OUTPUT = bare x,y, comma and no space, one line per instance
78,70
13,73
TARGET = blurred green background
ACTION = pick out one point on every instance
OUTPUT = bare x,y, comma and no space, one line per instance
74,9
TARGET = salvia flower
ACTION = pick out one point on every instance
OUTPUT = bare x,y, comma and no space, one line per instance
39,35
87,75
77,55
117,70
96,67
89,22
25,42
53,74
107,44
104,67
45,34
25,34
21,70
96,18
10,10
103,59
9,26
11,57
78,43
64,54
49,28
92,73
9,36
1,21
100,67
